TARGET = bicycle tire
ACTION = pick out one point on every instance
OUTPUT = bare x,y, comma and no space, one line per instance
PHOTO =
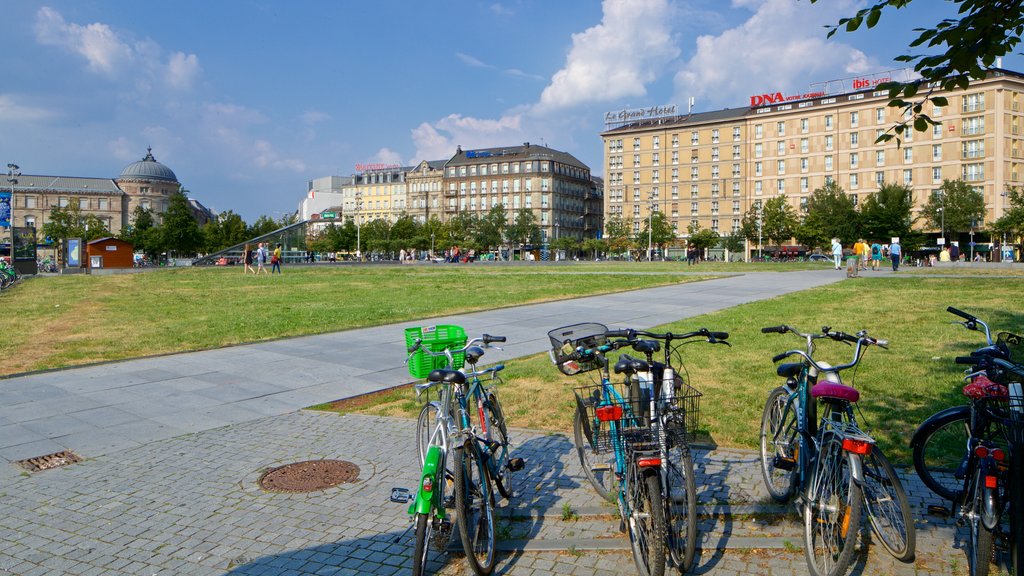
598,464
474,504
780,483
886,505
646,524
1016,500
425,426
979,540
939,451
680,505
419,553
831,511
499,433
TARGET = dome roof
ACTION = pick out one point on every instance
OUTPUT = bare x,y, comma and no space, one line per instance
148,169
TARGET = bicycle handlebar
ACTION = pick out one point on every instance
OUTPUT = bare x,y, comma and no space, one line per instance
781,329
971,360
960,313
860,339
971,322
485,339
713,337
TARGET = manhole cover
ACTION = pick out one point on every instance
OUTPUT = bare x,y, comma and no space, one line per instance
309,476
49,461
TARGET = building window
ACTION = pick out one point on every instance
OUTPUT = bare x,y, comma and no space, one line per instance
908,155
735,188
854,139
879,178
714,154
655,159
972,126
675,192
828,162
828,142
694,191
853,198
675,157
908,177
736,134
782,167
757,187
758,130
804,163
758,150
973,149
694,138
780,148
780,186
936,152
735,152
803,184
30,201
880,158
803,204
854,159
675,174
804,145
636,143
936,174
854,119
758,169
62,201
735,170
636,176
974,103
854,180
656,143
104,204
780,128
828,122
714,136
735,206
30,221
693,208
974,172
879,115
694,174
805,125
675,140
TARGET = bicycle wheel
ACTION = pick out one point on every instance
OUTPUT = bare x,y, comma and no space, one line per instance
1015,495
940,451
419,553
979,551
832,511
598,463
427,434
499,433
779,446
885,503
681,504
646,523
474,504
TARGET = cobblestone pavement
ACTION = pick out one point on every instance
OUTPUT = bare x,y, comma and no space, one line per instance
190,505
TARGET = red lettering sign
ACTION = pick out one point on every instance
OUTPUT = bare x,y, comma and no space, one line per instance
762,99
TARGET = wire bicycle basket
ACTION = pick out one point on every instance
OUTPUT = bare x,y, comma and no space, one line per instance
565,344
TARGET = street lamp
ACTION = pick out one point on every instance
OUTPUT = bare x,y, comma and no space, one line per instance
431,244
759,256
555,243
650,228
359,207
12,178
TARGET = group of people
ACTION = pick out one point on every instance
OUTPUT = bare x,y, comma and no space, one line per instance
259,257
864,252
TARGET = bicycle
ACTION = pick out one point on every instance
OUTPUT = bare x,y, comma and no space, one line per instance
633,442
674,408
478,457
834,465
972,454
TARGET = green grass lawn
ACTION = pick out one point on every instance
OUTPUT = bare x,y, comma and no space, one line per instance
900,386
58,321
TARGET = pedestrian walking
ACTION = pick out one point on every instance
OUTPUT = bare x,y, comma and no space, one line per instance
247,260
896,253
876,256
275,260
837,253
261,259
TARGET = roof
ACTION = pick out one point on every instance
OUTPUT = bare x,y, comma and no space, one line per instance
148,169
683,120
526,151
108,238
69,184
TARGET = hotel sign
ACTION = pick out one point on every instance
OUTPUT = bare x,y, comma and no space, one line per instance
640,114
372,167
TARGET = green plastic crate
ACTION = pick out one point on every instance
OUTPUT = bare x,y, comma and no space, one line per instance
435,338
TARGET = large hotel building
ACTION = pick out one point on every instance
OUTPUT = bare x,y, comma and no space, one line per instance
709,168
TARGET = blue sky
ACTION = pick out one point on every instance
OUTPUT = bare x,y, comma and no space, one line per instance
247,100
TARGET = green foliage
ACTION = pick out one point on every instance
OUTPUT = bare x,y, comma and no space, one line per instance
616,232
491,228
702,239
179,232
1011,223
659,229
954,208
733,242
966,49
228,229
263,225
887,213
595,246
459,230
830,214
524,229
778,221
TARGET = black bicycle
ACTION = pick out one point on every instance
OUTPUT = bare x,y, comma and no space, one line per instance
972,454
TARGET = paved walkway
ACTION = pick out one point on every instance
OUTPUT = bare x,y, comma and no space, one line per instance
175,445
105,408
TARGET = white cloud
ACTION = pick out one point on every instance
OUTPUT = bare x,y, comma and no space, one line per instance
182,70
471,61
311,117
781,47
264,156
501,10
388,156
113,54
11,110
438,140
617,58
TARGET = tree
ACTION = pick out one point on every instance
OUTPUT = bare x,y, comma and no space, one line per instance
968,48
955,207
702,239
732,242
656,231
68,222
616,232
404,231
226,230
1011,223
778,220
179,232
524,230
263,225
490,231
887,213
460,230
595,246
830,214
142,232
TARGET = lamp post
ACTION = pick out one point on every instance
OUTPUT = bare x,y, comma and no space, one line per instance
359,207
650,228
12,179
555,243
431,244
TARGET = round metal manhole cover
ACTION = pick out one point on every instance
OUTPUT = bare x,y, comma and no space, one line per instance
309,476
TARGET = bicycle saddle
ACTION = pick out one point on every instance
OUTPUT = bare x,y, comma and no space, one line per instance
835,391
449,376
629,365
473,354
647,346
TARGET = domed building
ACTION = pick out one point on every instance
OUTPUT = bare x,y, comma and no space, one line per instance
146,183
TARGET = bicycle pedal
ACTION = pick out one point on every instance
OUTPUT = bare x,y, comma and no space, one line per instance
786,464
938,510
515,464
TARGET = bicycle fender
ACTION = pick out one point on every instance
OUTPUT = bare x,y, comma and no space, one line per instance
928,425
856,468
989,506
588,433
425,500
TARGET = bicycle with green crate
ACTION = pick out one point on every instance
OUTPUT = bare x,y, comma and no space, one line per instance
480,452
632,442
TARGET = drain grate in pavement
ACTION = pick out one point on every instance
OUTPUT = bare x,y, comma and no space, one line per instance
309,476
57,460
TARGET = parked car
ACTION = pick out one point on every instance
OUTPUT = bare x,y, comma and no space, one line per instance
819,258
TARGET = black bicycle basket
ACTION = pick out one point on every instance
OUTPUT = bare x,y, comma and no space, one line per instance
565,344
